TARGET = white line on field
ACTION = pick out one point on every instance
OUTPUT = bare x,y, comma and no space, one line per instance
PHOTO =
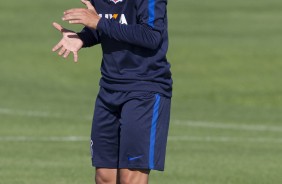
170,138
40,114
43,139
213,125
224,139
189,123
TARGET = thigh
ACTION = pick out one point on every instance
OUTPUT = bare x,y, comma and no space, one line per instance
144,130
105,133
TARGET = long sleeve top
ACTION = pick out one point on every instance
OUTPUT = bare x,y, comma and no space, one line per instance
134,39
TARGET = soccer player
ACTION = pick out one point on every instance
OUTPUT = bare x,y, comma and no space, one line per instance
132,110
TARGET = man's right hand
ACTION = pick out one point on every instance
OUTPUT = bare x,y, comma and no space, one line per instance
69,43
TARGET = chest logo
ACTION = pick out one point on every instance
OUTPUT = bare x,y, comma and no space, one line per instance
116,1
119,17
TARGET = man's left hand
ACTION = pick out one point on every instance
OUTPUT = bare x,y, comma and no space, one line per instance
88,17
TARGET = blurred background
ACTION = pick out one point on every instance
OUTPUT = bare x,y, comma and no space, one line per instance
227,99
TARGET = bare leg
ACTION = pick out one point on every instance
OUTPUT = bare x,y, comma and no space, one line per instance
134,176
106,176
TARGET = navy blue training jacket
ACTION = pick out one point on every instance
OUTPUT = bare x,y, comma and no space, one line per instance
134,39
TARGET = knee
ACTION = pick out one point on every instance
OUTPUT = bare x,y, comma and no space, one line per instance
125,179
104,177
133,176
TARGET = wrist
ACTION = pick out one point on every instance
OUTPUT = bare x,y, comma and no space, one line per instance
100,24
95,22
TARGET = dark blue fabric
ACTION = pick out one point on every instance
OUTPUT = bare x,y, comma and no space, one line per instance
134,43
130,129
89,37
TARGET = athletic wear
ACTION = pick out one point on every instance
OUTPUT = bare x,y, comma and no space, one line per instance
131,117
130,130
134,39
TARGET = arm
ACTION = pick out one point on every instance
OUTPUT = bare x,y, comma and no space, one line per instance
147,33
89,37
89,18
139,34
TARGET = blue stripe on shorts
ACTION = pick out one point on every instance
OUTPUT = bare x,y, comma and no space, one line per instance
153,131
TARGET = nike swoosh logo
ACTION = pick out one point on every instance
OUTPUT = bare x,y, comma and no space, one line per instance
134,158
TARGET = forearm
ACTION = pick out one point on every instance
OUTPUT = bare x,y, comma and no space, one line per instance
138,34
89,37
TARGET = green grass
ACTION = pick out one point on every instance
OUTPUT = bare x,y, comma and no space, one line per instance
227,98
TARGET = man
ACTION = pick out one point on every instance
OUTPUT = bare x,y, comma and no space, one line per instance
131,117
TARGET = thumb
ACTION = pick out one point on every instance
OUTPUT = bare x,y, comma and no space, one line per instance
88,4
59,27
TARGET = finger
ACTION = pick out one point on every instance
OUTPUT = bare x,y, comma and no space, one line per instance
56,47
76,22
62,51
66,54
74,10
88,4
72,16
58,26
75,56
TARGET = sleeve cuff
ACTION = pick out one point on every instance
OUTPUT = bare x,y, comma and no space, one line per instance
83,37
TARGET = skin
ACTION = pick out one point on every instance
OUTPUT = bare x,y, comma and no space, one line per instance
121,176
87,17
71,43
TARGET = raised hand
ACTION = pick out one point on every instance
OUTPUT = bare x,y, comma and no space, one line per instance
87,17
69,43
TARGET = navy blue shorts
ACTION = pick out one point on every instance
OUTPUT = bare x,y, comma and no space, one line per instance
130,130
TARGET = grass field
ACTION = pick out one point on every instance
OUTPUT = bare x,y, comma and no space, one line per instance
227,104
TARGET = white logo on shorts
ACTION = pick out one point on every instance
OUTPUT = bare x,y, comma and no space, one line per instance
91,150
